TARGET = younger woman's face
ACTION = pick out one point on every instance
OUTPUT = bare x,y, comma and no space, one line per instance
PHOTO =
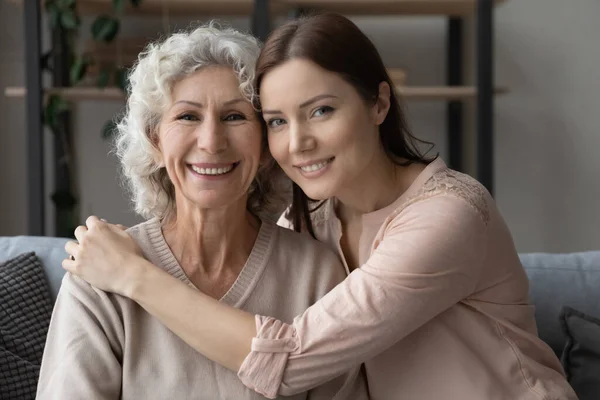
322,133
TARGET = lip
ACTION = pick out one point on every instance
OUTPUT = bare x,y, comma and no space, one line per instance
212,165
312,162
317,173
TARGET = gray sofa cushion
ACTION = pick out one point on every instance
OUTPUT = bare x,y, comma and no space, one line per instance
581,356
25,310
49,250
558,280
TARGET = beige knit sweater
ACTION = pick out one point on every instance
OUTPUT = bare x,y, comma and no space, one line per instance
105,346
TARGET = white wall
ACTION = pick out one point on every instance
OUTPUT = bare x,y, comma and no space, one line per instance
548,127
546,135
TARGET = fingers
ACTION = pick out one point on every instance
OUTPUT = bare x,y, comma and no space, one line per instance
92,221
80,231
68,265
121,227
72,248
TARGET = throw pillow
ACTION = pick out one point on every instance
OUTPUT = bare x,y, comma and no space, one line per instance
581,355
25,311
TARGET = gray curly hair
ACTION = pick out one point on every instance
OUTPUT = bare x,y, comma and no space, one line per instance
158,68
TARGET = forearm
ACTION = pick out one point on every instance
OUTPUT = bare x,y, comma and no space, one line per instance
220,332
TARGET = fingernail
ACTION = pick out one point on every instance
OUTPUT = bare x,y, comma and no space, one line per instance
103,220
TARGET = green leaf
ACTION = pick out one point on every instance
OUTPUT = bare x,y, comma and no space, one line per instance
55,106
53,14
118,5
136,3
50,118
65,4
105,28
103,78
78,69
69,20
109,130
121,79
61,105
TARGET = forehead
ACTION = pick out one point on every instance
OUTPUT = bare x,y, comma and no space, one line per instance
212,83
299,79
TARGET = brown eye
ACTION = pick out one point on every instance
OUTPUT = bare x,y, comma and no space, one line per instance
187,117
234,117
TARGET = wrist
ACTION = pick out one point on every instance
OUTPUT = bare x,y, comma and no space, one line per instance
140,272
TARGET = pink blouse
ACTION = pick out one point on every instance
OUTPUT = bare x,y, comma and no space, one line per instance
437,310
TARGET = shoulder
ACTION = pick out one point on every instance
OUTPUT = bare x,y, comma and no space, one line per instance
450,192
77,294
307,255
322,213
301,243
144,229
304,265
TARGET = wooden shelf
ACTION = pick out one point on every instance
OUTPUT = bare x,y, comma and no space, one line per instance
389,7
408,92
442,92
245,7
73,93
179,7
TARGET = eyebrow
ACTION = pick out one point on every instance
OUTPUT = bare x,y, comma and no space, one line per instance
200,105
305,104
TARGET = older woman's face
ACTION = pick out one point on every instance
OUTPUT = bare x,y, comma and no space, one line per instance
210,139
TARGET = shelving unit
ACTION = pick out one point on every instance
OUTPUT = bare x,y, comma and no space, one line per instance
424,93
262,12
451,8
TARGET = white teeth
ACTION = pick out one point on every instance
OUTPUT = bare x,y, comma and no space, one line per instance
212,171
315,167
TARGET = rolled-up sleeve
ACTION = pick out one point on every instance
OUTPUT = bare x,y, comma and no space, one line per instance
429,259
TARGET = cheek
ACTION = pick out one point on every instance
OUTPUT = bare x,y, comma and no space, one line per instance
278,147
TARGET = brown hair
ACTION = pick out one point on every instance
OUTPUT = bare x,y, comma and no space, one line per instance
336,44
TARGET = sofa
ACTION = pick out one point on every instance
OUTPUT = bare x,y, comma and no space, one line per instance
556,280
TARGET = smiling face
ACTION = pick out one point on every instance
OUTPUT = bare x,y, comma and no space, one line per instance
322,133
209,140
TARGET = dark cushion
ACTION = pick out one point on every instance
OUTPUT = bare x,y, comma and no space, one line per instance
25,311
581,355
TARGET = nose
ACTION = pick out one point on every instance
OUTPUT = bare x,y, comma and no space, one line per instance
301,139
211,135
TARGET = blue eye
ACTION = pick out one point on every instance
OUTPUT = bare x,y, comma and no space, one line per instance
275,122
234,117
319,112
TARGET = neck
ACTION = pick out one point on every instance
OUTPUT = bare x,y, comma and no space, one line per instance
367,194
210,241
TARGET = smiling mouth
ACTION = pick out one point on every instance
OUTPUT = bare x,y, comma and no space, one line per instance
317,166
209,171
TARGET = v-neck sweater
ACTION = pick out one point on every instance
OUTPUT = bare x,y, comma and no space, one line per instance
105,346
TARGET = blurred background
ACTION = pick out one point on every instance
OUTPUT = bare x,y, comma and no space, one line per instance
507,90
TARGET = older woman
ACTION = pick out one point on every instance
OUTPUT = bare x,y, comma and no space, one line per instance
192,150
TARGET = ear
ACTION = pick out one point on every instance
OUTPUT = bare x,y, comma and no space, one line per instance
158,159
382,103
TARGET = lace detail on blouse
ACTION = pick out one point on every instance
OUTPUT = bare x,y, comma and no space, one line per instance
450,182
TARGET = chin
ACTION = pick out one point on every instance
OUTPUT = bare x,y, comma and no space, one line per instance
316,193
